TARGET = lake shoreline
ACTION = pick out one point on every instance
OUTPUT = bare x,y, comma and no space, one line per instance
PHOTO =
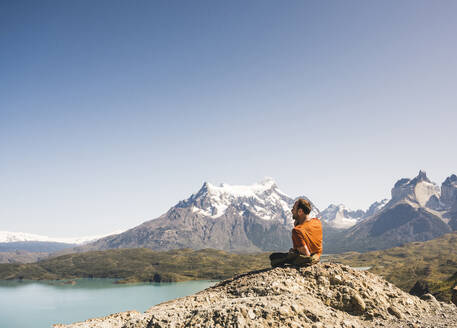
50,302
115,281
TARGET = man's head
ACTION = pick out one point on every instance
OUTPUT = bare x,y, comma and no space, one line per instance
300,211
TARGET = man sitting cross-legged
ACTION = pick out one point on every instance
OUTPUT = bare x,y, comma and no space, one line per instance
306,238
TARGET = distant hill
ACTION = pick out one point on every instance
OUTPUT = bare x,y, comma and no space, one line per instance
133,265
34,246
20,256
12,237
434,263
22,247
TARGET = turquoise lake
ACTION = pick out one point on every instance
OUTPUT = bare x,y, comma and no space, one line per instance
41,304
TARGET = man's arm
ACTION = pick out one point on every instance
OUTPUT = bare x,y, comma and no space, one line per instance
304,250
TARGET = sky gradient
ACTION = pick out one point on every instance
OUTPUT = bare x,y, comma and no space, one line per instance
113,111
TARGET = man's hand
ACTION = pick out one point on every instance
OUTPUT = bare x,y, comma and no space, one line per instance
304,250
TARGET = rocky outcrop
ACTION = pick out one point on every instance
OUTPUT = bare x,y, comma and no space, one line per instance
323,295
113,320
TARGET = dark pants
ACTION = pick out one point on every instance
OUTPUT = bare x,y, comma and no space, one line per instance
292,258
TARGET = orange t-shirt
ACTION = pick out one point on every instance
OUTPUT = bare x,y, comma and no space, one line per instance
308,233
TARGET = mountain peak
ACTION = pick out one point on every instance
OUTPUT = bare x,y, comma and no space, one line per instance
449,192
242,190
268,181
451,180
205,186
341,217
417,190
263,199
422,176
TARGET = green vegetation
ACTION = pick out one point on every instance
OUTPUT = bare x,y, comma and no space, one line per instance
139,264
433,262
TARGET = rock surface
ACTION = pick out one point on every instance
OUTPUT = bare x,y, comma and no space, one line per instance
324,295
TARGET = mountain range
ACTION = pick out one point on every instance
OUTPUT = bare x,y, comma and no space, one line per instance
229,217
12,237
418,210
25,247
340,217
240,218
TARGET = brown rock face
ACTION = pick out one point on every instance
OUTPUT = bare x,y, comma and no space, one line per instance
323,295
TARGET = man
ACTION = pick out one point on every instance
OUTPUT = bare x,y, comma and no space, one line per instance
306,238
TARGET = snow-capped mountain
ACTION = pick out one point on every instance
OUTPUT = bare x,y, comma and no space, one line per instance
264,200
419,210
338,216
341,217
10,237
417,191
229,217
375,208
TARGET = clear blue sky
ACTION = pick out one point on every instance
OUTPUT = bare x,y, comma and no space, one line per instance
113,111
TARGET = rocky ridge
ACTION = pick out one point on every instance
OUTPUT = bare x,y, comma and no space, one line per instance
324,295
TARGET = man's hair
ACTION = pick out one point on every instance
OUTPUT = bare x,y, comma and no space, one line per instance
304,205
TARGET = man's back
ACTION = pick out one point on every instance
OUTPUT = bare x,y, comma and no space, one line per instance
308,233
